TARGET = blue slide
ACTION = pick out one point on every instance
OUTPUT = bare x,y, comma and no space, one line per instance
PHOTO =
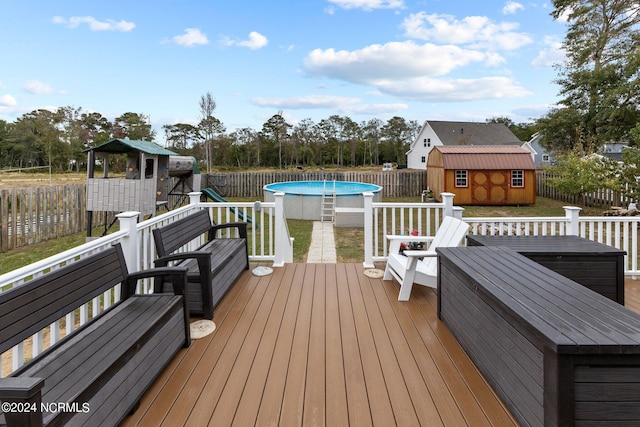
210,193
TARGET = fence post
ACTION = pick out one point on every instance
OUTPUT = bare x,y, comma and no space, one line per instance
457,212
130,242
283,244
572,213
447,199
368,230
194,198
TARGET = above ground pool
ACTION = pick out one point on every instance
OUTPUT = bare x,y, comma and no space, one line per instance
303,199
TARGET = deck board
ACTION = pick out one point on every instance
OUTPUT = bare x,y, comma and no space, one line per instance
324,344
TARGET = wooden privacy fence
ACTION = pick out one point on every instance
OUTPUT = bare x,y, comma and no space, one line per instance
403,183
35,214
601,198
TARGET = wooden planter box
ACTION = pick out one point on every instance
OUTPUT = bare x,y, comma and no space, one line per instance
555,352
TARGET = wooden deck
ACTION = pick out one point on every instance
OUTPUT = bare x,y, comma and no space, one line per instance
323,344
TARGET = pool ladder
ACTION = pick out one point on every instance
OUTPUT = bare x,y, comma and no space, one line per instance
328,203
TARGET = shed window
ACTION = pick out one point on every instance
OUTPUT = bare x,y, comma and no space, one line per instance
461,178
517,178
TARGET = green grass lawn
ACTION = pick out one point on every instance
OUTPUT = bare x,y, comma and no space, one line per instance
349,241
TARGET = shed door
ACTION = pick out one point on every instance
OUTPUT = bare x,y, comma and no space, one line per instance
490,187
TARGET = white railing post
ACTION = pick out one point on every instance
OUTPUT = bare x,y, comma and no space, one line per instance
457,212
283,251
130,243
368,230
194,198
572,213
447,199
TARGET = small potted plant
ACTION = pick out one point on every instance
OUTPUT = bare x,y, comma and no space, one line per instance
428,195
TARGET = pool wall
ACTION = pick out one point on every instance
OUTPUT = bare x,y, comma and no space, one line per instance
309,206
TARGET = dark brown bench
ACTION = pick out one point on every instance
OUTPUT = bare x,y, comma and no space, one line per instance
556,352
97,374
213,267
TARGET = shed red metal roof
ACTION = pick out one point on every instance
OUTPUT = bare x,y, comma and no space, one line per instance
486,157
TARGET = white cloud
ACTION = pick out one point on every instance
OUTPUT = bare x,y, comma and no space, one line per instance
439,90
412,71
191,37
368,4
255,41
512,7
40,88
474,31
392,60
553,54
8,101
347,105
303,102
95,25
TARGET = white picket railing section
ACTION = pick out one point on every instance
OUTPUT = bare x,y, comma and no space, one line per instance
268,241
382,219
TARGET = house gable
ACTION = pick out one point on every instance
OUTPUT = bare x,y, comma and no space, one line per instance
442,133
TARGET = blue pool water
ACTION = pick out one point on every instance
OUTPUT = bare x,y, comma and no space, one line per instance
302,198
315,188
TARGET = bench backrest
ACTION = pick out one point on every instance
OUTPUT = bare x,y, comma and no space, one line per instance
178,233
27,309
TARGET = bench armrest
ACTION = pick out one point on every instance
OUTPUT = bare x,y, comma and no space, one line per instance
23,390
241,226
177,275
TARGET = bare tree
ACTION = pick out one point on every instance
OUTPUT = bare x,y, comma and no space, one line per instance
207,125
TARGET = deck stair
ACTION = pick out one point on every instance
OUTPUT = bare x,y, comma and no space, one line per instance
328,202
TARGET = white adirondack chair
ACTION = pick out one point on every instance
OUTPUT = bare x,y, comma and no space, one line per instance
411,269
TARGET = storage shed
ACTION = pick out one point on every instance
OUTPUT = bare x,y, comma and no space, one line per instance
483,175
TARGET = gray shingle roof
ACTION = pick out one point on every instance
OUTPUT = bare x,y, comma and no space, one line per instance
472,133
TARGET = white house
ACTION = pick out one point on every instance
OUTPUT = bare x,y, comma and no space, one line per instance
435,133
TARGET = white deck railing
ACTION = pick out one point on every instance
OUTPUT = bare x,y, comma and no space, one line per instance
268,237
269,241
381,219
401,218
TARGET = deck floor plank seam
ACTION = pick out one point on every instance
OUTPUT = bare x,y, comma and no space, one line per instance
271,402
377,391
218,362
358,403
236,359
399,391
426,364
419,393
293,399
248,398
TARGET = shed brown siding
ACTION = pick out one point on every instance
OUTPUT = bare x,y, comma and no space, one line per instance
488,174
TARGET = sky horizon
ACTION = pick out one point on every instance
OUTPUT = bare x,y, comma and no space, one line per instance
420,60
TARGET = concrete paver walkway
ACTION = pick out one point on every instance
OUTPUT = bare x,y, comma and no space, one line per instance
323,245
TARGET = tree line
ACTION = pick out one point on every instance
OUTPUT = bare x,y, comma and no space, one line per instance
59,138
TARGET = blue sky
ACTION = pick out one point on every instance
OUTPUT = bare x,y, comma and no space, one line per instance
421,60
